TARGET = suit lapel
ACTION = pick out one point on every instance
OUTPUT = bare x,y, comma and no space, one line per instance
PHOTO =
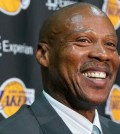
105,126
48,119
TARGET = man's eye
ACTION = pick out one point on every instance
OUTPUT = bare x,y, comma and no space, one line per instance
111,44
84,40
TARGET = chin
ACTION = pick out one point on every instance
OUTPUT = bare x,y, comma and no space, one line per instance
98,100
78,103
84,104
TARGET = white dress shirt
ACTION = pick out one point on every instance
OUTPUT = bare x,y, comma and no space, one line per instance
77,123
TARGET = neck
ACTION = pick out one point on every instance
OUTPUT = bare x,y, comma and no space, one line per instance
88,112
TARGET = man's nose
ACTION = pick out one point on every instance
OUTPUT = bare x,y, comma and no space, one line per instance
100,52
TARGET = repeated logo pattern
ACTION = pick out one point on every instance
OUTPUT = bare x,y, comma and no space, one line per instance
112,8
13,7
13,94
113,104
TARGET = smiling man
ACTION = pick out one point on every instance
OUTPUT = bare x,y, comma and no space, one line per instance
78,55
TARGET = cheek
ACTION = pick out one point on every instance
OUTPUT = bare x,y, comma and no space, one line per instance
72,56
69,63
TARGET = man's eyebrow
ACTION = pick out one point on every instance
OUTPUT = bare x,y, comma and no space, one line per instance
113,35
91,31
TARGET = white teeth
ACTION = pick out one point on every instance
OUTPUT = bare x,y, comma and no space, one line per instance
93,74
100,75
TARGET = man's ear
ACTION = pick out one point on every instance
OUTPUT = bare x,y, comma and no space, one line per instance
42,53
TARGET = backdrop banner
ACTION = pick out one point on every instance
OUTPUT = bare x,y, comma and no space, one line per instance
20,76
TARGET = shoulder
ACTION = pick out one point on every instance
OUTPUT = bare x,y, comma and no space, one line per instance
107,123
20,123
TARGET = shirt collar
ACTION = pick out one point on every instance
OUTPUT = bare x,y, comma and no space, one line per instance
97,121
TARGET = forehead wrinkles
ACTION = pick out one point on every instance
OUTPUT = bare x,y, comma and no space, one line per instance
61,22
95,22
65,22
84,15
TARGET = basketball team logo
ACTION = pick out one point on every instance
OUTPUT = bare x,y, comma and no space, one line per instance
13,7
113,104
112,8
13,94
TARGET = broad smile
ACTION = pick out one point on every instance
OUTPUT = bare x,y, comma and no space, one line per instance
95,75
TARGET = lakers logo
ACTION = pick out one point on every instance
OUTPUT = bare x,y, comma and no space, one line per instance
112,8
13,95
113,104
13,7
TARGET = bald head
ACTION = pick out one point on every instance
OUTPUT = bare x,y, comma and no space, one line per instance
62,19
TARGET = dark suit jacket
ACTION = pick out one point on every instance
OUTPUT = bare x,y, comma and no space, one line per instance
41,118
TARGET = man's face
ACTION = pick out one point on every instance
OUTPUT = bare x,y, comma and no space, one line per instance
86,61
